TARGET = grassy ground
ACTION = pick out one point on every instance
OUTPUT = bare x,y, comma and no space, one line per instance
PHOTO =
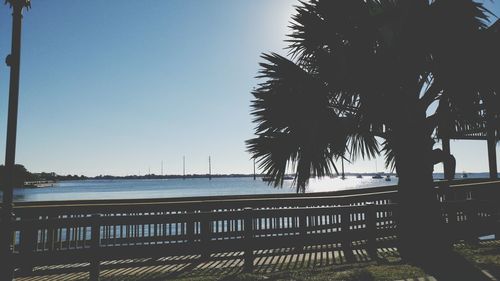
355,272
486,255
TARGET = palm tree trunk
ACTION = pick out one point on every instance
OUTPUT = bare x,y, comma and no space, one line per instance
420,224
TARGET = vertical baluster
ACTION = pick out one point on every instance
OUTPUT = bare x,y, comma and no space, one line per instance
128,229
114,235
85,238
317,218
143,234
50,234
67,237
155,233
121,235
43,241
62,232
137,233
302,230
108,234
164,229
74,235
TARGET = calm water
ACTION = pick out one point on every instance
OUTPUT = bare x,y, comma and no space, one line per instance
167,188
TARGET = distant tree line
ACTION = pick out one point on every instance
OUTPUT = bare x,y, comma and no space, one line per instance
22,175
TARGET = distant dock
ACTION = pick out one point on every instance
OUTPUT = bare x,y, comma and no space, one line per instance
38,184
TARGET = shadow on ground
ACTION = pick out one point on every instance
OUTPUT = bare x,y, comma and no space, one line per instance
326,261
270,263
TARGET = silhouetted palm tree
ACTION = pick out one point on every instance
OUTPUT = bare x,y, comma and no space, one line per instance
365,69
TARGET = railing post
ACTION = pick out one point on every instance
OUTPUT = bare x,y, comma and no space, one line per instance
51,232
248,239
451,226
205,234
472,221
27,244
190,223
302,231
346,240
6,245
371,229
95,245
495,216
496,223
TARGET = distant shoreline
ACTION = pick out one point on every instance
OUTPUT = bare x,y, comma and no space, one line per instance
198,176
190,176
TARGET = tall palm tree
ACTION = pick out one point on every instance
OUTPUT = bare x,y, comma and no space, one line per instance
363,70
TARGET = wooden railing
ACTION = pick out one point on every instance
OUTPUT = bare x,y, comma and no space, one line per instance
93,231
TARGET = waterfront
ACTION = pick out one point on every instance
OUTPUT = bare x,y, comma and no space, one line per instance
168,188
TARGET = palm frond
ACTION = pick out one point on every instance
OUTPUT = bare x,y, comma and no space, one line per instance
334,26
296,123
362,69
389,154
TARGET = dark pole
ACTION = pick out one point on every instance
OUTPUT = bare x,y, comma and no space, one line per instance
254,176
445,129
492,143
343,174
447,151
183,167
209,168
13,61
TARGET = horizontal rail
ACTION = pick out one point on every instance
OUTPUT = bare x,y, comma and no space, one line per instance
260,201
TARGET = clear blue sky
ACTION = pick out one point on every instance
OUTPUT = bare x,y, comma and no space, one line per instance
117,86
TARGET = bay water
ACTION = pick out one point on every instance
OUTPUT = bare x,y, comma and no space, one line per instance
169,188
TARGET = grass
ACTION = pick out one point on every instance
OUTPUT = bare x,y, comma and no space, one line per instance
485,255
363,271
353,272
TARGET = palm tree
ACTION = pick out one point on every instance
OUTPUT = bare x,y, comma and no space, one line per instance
359,71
